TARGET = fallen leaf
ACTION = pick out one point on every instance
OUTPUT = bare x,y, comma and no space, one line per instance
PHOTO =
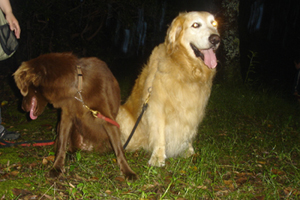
14,173
71,185
94,178
45,161
203,187
108,192
51,158
19,167
126,192
260,197
277,172
289,191
48,126
243,174
221,193
259,165
48,197
261,162
148,186
31,197
32,165
194,168
19,192
120,179
241,180
229,184
80,178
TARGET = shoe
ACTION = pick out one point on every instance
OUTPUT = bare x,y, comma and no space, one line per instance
8,135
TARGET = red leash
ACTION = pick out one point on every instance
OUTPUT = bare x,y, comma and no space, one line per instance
108,120
36,143
97,114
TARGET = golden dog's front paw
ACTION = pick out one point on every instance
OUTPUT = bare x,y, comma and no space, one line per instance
158,158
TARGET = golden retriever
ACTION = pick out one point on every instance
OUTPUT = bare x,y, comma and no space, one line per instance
178,77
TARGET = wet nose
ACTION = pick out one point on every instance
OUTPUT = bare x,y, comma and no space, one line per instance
214,39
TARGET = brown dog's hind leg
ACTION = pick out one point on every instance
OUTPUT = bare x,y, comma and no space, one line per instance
113,133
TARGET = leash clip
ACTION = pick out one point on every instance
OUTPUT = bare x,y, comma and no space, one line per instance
94,112
148,97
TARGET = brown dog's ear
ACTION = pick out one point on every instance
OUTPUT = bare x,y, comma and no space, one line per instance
173,33
24,77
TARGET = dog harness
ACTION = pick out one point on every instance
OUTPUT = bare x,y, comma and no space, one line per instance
95,113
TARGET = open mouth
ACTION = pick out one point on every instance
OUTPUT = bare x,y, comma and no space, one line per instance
208,56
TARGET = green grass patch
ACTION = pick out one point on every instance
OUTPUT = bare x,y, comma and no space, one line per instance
247,148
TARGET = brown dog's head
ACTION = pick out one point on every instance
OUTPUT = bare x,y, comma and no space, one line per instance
197,33
28,82
38,77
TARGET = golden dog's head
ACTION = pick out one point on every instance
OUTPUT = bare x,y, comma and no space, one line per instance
197,33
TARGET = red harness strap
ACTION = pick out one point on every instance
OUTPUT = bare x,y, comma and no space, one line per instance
94,112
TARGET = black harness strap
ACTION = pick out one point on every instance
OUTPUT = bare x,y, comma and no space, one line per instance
136,124
145,105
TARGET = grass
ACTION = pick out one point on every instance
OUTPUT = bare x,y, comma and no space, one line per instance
247,148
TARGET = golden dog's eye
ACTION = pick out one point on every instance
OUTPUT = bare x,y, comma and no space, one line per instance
214,23
196,25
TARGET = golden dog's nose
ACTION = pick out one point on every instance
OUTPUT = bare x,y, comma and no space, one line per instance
214,39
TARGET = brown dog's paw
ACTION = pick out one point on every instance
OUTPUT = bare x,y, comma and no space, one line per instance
131,176
55,173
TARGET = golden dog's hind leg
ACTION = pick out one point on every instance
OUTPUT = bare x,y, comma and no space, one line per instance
190,151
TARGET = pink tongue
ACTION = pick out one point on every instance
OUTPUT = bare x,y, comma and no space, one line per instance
210,58
32,108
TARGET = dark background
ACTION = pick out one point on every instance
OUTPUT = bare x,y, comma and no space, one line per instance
123,33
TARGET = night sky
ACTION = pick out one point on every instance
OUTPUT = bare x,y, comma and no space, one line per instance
127,31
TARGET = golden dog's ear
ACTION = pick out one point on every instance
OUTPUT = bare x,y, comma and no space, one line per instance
24,77
173,33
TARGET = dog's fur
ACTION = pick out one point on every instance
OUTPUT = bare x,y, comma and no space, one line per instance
180,73
53,78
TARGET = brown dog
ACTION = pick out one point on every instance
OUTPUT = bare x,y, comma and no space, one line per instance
179,75
54,78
